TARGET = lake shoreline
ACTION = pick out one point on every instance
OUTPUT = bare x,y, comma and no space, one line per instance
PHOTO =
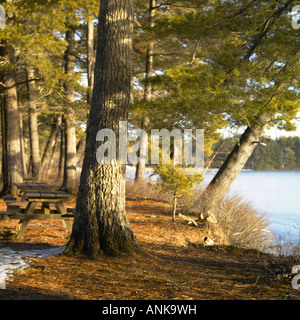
273,194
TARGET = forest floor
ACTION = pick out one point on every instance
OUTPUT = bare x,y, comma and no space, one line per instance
171,263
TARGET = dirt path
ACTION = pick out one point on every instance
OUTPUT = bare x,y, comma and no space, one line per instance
170,264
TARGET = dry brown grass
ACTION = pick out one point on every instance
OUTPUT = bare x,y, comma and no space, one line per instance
242,224
145,190
238,223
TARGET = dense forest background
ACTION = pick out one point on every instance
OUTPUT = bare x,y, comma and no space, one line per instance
271,154
195,64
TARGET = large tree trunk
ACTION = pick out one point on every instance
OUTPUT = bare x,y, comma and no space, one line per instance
69,183
235,161
140,168
33,127
100,221
12,169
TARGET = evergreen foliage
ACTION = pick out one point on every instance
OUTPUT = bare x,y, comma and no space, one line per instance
216,64
173,179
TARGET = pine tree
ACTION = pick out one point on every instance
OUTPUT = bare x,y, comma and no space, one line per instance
140,168
173,179
271,96
33,125
238,73
100,221
12,165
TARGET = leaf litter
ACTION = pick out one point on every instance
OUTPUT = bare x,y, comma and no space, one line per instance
171,263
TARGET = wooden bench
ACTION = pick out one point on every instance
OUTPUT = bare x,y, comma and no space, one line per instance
45,199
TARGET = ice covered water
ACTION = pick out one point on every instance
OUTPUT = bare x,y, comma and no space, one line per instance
11,260
274,194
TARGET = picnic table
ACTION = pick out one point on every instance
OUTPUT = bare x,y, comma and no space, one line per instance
32,186
40,205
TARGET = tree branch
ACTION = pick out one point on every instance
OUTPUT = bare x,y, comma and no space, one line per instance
194,53
19,83
266,28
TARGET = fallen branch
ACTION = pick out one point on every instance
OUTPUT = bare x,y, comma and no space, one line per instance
209,217
189,219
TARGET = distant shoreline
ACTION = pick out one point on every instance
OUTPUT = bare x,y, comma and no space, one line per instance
130,168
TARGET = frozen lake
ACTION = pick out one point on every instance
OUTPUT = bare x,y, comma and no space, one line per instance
276,194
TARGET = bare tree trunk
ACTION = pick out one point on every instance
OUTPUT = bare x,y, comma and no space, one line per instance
90,55
174,207
3,141
13,172
62,153
52,153
90,46
56,126
23,153
80,152
33,127
100,221
140,168
235,161
69,182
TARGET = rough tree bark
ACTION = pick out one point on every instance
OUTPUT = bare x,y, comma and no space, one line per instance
100,222
12,166
140,168
235,161
33,127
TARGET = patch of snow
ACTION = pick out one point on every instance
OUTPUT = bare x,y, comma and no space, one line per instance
42,253
10,260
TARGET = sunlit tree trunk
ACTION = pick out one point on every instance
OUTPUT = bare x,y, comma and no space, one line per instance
12,169
62,153
80,152
33,127
69,182
235,161
23,153
55,129
100,222
90,54
140,168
